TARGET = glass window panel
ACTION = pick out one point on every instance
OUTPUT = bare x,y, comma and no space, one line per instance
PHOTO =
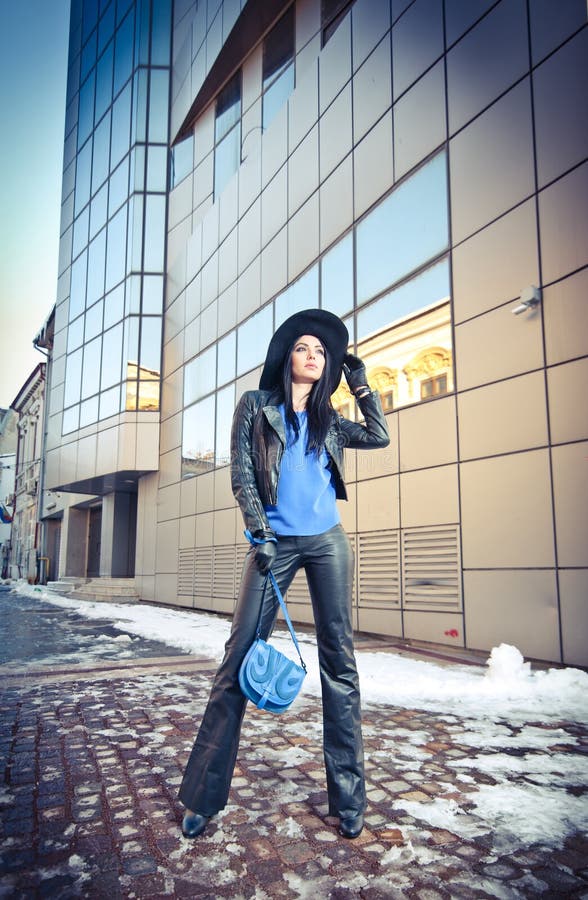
94,317
110,402
123,54
552,23
119,187
139,125
77,297
130,395
160,31
417,41
73,375
182,160
89,411
104,83
226,159
198,438
148,397
226,357
158,106
133,304
75,334
86,109
100,161
253,338
200,376
115,251
111,357
278,48
228,107
152,294
114,306
225,405
121,126
302,294
135,250
403,231
276,95
460,16
70,419
142,41
80,232
106,27
137,181
337,277
99,211
157,168
89,17
69,148
131,347
150,347
83,177
88,55
96,259
154,233
91,367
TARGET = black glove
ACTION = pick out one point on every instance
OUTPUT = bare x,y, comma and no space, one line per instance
265,553
355,373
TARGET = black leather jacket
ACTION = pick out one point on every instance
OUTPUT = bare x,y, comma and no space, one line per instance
256,460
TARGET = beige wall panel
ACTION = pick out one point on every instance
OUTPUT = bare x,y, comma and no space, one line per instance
274,265
200,211
274,206
429,497
506,511
166,591
187,538
173,354
180,202
223,493
208,323
303,171
513,607
204,134
336,133
68,458
250,235
146,525
205,492
303,237
563,220
373,170
193,298
309,54
194,253
176,242
52,459
303,104
168,503
170,468
147,453
172,394
370,22
348,510
412,144
372,90
568,408
336,203
565,313
252,72
427,434
335,64
494,266
249,181
210,232
248,290
209,282
228,261
380,621
434,627
204,529
497,345
168,536
308,22
573,595
377,504
226,530
503,417
274,146
171,433
145,587
191,340
570,491
228,203
227,309
349,465
188,489
203,182
372,463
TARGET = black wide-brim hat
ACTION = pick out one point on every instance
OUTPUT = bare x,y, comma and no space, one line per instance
320,323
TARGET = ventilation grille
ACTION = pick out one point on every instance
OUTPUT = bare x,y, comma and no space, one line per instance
379,569
224,571
186,572
431,568
203,572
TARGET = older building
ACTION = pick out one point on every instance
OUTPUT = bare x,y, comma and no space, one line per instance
420,169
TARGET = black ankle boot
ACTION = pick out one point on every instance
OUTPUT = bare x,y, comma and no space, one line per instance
193,824
351,827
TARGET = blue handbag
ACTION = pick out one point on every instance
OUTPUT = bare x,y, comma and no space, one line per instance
268,678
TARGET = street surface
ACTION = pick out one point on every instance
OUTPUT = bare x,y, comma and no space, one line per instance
96,726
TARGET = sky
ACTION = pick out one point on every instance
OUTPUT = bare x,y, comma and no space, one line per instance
33,69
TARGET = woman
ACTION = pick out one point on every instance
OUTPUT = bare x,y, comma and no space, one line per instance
287,473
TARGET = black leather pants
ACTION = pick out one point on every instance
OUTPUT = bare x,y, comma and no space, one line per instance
328,561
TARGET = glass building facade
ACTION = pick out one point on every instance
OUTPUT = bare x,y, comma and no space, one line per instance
419,168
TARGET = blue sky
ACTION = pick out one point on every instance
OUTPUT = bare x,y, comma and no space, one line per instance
33,70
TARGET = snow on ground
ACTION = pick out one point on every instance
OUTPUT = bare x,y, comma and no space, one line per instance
507,688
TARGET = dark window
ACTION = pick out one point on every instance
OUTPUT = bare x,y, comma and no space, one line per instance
332,14
278,66
433,387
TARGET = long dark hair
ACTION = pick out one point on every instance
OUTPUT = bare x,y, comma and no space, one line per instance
319,409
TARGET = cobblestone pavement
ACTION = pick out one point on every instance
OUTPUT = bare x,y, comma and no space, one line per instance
93,756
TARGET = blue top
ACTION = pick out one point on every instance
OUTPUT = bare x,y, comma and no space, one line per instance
306,493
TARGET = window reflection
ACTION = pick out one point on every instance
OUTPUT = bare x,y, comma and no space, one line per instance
227,133
104,82
111,357
121,126
182,160
100,158
110,402
225,405
200,376
150,347
94,321
252,340
77,296
91,368
114,306
70,419
226,159
302,294
148,396
405,230
337,277
117,241
153,252
123,56
157,169
278,66
88,411
158,105
226,358
198,438
73,374
152,294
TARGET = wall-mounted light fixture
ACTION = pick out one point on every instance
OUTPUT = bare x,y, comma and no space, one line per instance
529,299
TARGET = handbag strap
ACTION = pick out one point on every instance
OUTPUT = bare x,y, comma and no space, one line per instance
281,601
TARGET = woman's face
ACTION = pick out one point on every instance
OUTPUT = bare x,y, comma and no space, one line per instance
308,360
